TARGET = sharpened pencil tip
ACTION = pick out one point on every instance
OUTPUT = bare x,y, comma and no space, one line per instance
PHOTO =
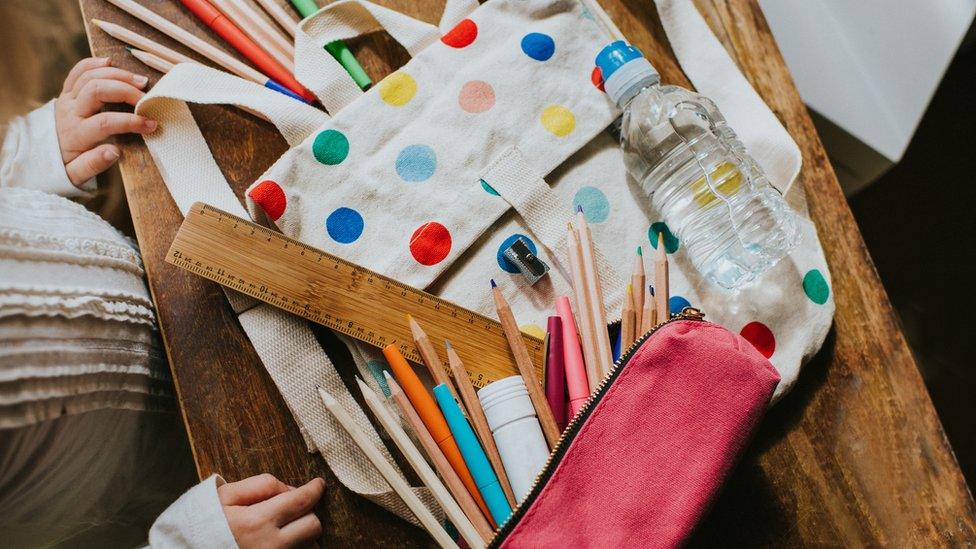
447,344
493,285
630,289
650,289
579,209
640,251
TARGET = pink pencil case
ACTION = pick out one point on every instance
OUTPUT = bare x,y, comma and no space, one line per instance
641,462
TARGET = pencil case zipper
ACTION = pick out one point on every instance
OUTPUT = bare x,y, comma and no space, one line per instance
569,434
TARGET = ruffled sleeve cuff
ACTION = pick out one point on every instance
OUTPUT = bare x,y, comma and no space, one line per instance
196,519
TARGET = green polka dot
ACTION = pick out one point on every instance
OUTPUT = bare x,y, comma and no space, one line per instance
330,147
815,286
670,241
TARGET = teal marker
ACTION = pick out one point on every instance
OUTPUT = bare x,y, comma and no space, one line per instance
337,49
474,456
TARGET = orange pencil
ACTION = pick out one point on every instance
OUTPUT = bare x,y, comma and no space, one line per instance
431,415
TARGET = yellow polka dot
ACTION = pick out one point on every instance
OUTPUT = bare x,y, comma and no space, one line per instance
558,120
533,330
728,179
398,89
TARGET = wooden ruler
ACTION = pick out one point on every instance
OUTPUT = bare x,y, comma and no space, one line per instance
335,293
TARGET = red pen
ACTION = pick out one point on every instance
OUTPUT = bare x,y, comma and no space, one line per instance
206,12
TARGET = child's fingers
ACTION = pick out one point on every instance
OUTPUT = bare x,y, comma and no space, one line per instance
80,68
91,163
103,125
251,490
108,73
292,504
302,532
96,93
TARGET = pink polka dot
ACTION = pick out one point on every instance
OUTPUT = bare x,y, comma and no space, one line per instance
270,197
430,243
597,78
761,338
476,96
463,34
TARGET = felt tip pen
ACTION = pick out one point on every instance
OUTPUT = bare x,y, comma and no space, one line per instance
211,16
576,382
337,49
474,455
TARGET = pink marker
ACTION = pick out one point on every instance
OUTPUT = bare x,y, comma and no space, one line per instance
578,387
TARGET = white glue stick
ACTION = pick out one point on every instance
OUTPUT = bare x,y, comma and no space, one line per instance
516,431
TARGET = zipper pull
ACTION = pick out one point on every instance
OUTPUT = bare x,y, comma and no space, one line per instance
691,313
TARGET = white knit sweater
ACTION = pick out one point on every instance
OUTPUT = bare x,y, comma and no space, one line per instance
87,410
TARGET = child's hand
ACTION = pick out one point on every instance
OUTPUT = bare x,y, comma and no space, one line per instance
82,127
262,511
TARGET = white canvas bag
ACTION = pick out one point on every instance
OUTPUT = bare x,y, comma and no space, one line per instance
430,174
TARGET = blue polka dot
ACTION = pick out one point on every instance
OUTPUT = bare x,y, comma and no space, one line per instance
595,205
538,46
345,225
676,304
503,261
416,163
488,188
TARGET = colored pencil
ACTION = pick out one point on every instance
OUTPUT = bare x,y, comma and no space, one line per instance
661,280
432,417
637,280
429,356
587,335
556,372
211,16
524,363
592,276
478,420
576,383
423,470
649,316
284,19
133,39
337,49
391,475
259,30
151,61
628,321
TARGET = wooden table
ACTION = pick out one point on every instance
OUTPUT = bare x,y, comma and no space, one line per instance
855,455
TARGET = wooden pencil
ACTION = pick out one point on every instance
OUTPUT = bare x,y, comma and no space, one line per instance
391,475
637,281
139,41
429,355
152,61
478,420
195,43
525,366
661,280
583,310
427,475
284,19
443,467
628,321
604,355
649,316
264,35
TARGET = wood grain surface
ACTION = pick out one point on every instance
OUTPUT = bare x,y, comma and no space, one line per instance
855,455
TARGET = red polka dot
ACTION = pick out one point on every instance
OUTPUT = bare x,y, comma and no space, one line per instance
463,34
430,243
270,197
761,338
597,78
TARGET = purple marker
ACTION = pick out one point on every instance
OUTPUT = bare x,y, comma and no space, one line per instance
556,394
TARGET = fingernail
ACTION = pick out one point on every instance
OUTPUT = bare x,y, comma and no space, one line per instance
140,80
151,125
110,155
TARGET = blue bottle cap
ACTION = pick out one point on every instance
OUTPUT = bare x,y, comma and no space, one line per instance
625,71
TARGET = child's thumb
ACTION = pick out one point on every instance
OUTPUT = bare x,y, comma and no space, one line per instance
91,163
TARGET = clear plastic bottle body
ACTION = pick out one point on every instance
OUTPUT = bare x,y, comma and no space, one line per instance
732,223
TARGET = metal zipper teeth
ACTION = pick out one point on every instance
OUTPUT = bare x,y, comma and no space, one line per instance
689,313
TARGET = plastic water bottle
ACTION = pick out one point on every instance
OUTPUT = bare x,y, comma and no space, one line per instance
732,223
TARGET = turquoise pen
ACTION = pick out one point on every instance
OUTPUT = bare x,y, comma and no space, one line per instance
474,456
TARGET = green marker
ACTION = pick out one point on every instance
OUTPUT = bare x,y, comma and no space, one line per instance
337,49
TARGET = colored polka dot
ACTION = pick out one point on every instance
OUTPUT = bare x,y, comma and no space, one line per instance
330,147
596,207
558,120
270,197
430,243
729,182
344,225
761,338
815,286
462,35
533,330
476,96
398,89
670,240
503,261
676,304
538,46
597,78
416,163
488,188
